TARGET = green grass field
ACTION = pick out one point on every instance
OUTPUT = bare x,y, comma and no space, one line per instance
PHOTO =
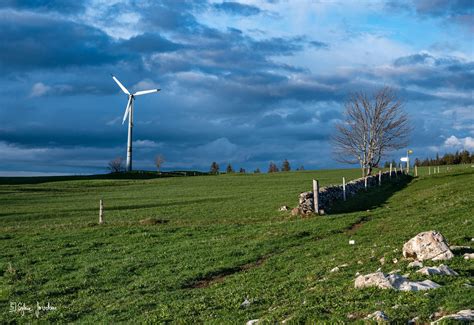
219,240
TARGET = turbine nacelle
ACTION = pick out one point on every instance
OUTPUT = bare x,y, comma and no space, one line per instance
131,97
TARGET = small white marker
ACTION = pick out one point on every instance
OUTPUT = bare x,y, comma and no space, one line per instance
352,242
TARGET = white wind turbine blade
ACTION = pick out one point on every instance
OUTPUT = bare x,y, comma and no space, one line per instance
127,110
125,90
144,92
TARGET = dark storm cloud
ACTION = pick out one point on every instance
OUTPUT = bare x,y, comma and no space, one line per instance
452,11
146,43
235,8
433,72
62,6
36,41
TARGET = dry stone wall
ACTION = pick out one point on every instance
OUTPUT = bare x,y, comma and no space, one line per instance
329,194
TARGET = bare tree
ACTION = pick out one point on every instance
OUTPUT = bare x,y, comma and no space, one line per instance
272,168
159,161
371,128
286,166
214,168
116,165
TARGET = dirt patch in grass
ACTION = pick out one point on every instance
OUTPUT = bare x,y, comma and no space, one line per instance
153,221
219,276
352,229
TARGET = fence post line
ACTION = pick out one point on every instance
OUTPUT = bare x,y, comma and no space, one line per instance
316,196
365,182
380,177
101,212
344,188
438,169
429,170
390,170
416,171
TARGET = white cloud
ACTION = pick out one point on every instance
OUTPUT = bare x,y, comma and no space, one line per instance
39,89
146,144
454,142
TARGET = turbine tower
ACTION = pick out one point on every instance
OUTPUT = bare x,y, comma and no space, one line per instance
129,114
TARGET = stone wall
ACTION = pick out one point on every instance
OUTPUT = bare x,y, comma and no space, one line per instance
329,194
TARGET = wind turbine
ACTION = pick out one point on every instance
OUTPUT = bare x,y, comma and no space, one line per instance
129,114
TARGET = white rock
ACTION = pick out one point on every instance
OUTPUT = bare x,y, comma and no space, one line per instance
352,242
336,269
245,304
440,270
415,264
360,262
395,260
463,316
284,208
427,245
378,316
469,256
418,286
252,322
392,281
413,320
382,260
376,279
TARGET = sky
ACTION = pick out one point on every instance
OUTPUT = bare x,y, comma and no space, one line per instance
244,83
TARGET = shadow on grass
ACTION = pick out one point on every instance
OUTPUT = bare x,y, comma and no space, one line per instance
112,176
375,197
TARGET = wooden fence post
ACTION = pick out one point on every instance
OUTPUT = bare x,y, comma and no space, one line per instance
365,182
316,196
396,175
438,169
101,212
380,177
390,170
416,171
429,170
344,188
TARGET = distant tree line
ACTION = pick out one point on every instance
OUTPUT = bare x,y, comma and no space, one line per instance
272,168
459,157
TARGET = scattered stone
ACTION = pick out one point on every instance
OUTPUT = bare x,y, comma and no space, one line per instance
378,316
413,320
462,316
440,270
468,256
415,264
395,260
295,212
382,260
352,242
245,304
376,279
393,281
427,245
336,269
284,208
359,262
357,274
252,322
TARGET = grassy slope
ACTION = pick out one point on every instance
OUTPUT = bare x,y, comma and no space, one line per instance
222,225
